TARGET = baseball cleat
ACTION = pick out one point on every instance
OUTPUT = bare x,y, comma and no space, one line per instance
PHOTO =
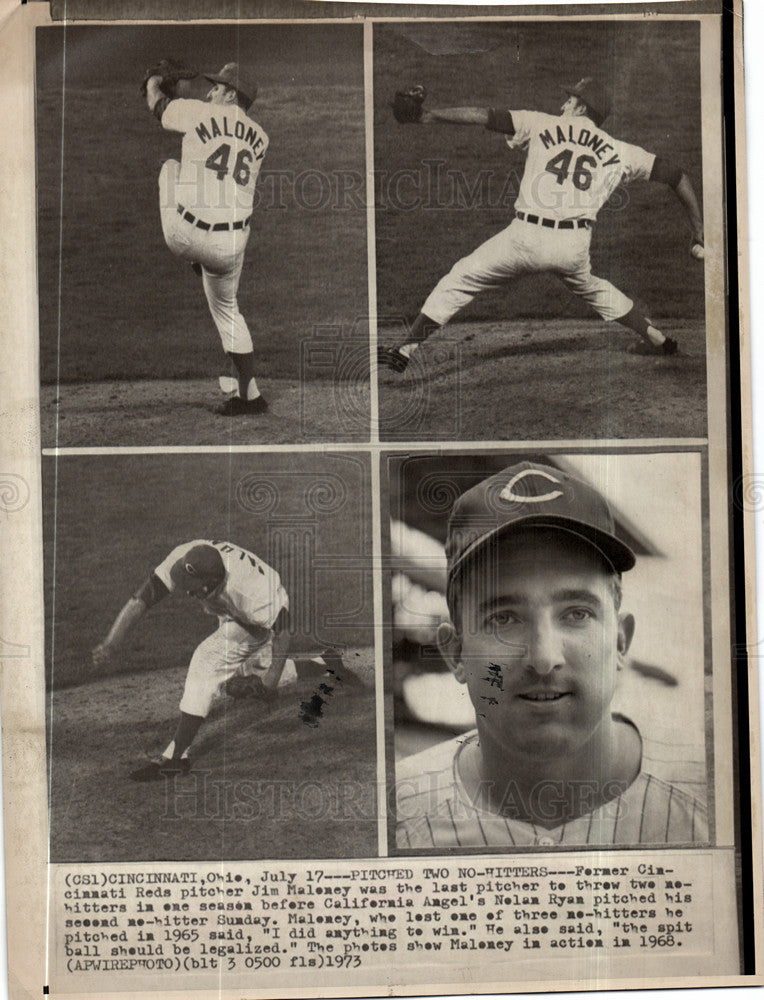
237,407
163,767
391,357
667,348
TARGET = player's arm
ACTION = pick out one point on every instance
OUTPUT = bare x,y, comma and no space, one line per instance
279,653
156,99
495,120
152,591
280,645
455,116
408,109
665,172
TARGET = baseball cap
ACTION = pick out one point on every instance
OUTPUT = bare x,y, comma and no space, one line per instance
202,562
232,76
593,96
531,495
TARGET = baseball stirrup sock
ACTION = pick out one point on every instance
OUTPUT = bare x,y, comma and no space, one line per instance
640,324
167,755
245,367
420,330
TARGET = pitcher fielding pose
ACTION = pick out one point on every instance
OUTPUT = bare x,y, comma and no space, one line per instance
245,656
572,168
205,200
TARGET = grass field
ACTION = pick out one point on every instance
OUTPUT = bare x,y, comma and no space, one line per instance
544,380
114,302
264,785
157,412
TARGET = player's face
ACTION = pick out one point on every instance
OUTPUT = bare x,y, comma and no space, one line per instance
572,106
540,644
199,588
219,94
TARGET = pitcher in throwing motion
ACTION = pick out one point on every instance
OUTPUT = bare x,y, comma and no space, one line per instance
205,202
572,168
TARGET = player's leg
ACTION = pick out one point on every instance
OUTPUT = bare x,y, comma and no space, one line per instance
218,658
220,289
175,759
279,655
223,655
323,664
274,658
612,305
398,357
187,728
653,340
498,260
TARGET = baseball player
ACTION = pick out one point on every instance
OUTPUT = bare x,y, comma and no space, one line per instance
246,655
537,635
205,202
572,168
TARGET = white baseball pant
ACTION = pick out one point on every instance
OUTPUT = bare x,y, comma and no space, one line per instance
221,255
230,650
522,248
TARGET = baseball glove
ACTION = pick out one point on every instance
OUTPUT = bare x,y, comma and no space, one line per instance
408,104
251,687
171,72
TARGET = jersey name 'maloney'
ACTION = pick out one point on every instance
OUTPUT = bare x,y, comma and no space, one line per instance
581,137
246,133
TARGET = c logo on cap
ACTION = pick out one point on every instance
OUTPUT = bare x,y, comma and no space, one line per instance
508,494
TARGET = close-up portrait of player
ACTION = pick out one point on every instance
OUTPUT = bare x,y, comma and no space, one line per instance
537,632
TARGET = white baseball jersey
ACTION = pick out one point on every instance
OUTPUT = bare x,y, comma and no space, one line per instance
573,166
223,149
251,592
665,804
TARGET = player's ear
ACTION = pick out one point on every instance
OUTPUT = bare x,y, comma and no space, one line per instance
626,626
450,646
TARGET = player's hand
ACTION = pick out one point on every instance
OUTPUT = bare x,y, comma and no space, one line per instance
697,250
102,654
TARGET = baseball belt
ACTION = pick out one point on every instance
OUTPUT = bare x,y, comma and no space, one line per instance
215,227
537,220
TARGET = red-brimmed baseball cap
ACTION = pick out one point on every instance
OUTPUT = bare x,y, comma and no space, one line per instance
232,76
592,94
202,562
531,495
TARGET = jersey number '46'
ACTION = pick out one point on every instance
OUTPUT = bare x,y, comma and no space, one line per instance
218,162
582,176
